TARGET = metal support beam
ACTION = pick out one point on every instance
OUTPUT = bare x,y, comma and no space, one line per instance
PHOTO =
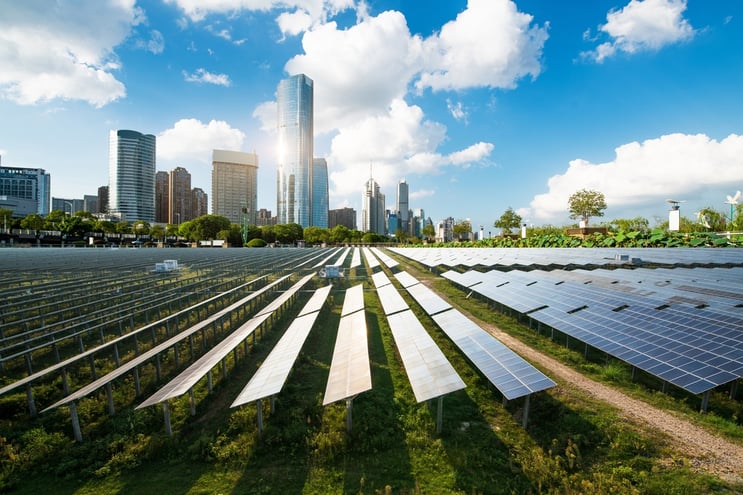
110,399
525,415
349,415
259,416
192,401
440,414
75,422
705,401
166,419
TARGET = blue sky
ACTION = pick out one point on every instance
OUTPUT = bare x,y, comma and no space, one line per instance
479,105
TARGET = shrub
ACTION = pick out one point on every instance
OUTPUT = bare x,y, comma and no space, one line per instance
256,243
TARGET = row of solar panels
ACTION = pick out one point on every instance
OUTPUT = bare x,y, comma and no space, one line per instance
695,348
512,375
560,257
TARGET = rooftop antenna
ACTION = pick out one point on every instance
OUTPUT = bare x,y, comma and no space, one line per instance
674,216
733,202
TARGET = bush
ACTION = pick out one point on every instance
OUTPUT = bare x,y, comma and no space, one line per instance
256,243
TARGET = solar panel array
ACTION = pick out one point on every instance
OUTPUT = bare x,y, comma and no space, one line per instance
641,316
272,374
512,375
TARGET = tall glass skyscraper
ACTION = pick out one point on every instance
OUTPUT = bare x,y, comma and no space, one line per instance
319,193
403,207
131,175
294,157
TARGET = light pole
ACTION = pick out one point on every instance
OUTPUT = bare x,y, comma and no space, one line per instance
71,206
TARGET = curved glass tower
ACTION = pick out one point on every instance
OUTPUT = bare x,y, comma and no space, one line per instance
131,175
294,157
319,195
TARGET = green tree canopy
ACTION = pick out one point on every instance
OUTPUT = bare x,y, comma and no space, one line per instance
32,221
637,224
585,204
207,227
316,235
268,234
428,231
462,229
509,220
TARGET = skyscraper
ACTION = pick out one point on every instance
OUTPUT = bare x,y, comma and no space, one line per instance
403,208
131,175
295,147
372,212
199,202
235,185
162,197
179,195
319,193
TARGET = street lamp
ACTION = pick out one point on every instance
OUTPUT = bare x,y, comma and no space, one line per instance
71,206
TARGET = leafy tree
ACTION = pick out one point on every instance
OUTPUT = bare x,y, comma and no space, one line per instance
254,232
268,234
157,232
172,230
585,204
207,227
428,232
316,235
288,233
637,224
140,227
32,221
105,226
6,218
509,220
232,235
462,229
340,234
256,243
123,228
53,219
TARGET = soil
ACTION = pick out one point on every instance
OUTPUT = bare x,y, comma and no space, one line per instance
705,451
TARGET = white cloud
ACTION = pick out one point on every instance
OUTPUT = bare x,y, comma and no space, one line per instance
156,43
421,193
643,25
50,52
457,110
203,76
490,44
318,10
191,139
294,23
679,166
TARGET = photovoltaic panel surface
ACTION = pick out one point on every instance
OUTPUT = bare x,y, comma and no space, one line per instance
350,371
428,370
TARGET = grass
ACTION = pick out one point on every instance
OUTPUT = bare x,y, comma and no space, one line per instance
573,444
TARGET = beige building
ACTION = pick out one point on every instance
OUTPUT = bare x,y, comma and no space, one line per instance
235,185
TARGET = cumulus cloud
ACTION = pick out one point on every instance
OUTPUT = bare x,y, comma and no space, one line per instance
49,52
316,10
193,140
643,25
202,76
156,43
674,165
489,44
293,23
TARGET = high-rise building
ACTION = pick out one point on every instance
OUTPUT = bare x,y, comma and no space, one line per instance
131,175
295,147
179,195
319,193
265,218
68,206
90,203
402,208
235,185
103,199
25,190
342,216
199,203
372,213
162,197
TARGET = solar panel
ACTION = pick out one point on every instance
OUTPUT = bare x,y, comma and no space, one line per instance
354,300
431,302
505,369
371,260
356,258
406,279
428,370
380,279
271,376
350,371
392,301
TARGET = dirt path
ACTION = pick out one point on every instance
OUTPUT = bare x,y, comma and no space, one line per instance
706,451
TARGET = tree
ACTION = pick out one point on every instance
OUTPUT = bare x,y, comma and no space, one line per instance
6,218
32,221
509,220
316,235
637,224
462,229
268,234
711,220
428,232
585,204
339,234
207,227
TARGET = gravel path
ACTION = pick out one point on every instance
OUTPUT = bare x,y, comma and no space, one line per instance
706,451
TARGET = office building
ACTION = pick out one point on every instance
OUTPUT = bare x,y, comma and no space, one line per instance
402,208
179,196
162,197
319,193
235,185
295,148
199,203
372,213
103,199
90,203
25,191
131,175
68,206
342,216
265,217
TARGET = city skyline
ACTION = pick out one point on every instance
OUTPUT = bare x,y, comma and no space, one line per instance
480,105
